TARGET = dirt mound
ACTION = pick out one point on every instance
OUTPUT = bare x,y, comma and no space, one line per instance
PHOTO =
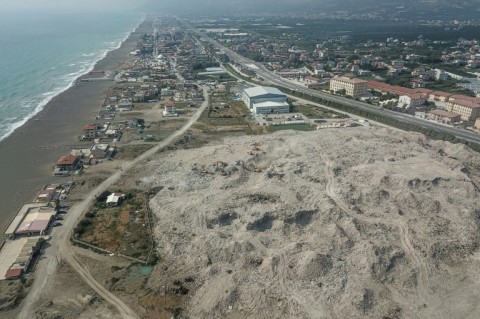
358,223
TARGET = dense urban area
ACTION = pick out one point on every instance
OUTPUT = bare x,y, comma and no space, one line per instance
182,198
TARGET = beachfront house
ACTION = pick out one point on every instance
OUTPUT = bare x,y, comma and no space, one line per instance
102,150
124,105
67,163
89,132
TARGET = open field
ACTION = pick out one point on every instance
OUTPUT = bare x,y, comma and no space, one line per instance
124,229
225,115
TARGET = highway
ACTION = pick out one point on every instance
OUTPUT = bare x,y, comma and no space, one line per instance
275,79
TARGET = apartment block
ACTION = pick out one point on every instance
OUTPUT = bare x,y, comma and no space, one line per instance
353,87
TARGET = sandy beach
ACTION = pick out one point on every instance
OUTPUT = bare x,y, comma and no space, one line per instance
28,155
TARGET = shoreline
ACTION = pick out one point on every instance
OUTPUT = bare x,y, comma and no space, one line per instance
28,154
43,104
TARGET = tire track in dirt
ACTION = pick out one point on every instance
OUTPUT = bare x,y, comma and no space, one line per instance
419,268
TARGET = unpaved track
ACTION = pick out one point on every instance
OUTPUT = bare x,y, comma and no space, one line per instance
419,266
61,245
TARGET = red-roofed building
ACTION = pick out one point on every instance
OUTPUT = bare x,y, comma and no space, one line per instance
387,88
412,100
439,96
68,163
469,109
444,116
463,98
13,273
353,87
170,109
89,131
423,91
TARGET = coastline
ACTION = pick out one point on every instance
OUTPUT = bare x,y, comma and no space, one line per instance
28,154
78,74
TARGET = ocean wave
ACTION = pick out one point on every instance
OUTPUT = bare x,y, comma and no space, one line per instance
10,128
70,79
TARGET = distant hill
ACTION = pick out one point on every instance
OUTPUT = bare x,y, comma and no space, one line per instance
407,8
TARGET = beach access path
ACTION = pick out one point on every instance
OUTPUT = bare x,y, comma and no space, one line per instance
61,245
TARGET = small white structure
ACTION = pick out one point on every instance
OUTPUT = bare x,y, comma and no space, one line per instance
111,133
114,199
102,150
411,100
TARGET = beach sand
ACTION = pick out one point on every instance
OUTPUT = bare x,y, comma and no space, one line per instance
27,157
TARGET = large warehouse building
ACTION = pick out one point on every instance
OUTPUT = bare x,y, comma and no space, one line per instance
265,100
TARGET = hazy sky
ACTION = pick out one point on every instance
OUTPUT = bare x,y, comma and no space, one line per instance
70,5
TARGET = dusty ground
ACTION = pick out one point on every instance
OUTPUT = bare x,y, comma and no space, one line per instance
69,297
353,223
337,223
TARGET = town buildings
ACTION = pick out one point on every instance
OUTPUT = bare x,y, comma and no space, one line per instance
412,100
444,116
468,108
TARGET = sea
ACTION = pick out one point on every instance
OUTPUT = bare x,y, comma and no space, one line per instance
41,55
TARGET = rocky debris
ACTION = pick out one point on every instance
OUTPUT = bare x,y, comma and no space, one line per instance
261,224
301,218
368,301
381,229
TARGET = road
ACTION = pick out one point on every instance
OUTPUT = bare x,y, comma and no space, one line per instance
275,79
61,246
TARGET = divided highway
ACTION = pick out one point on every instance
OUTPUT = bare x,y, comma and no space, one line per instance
275,79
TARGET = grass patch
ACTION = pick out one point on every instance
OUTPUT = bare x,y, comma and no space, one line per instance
296,127
313,111
129,152
121,229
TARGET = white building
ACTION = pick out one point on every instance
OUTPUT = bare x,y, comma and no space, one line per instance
170,109
412,100
265,100
440,75
114,199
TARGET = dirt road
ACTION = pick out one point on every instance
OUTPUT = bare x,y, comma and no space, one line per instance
61,246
